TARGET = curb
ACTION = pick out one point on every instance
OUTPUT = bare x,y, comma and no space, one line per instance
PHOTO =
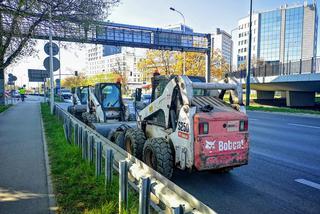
51,196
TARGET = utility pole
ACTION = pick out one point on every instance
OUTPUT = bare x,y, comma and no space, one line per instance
184,31
51,63
249,60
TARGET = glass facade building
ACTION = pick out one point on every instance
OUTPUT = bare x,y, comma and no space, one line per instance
293,34
270,25
284,35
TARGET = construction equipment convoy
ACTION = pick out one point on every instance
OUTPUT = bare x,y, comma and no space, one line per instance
187,125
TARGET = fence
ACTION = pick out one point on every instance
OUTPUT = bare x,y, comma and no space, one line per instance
305,66
154,189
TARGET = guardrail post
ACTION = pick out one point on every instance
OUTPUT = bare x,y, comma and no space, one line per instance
65,130
178,210
98,158
123,185
69,130
79,136
144,196
84,144
76,127
108,166
91,149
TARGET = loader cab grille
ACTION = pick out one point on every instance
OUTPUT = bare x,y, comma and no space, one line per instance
215,104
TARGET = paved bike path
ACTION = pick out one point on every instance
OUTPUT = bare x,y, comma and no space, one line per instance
23,180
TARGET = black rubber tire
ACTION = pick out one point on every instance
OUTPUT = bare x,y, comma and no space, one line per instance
84,117
134,141
71,110
91,118
158,154
120,139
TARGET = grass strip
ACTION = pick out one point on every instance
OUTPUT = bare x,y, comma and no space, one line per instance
281,109
76,188
4,107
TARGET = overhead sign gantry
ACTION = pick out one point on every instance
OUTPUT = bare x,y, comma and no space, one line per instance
108,33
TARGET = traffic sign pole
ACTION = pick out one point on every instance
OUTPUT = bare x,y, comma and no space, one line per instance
51,64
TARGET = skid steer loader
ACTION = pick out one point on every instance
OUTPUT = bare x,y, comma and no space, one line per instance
188,125
79,101
105,108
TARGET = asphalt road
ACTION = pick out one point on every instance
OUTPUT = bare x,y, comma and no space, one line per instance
282,149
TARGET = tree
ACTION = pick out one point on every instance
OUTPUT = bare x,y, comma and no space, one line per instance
168,63
20,19
82,80
219,66
157,60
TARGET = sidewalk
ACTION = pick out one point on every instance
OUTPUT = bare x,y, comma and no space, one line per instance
23,181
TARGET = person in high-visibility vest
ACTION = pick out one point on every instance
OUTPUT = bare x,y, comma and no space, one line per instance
22,92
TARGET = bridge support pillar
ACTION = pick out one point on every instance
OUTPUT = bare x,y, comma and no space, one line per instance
265,95
300,98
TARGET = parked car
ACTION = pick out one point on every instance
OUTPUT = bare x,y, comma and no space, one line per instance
66,94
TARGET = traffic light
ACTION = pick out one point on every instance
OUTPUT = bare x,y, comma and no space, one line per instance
76,73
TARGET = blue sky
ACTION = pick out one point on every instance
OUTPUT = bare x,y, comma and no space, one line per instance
202,15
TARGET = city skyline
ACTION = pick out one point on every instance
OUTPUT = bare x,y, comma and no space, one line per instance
130,12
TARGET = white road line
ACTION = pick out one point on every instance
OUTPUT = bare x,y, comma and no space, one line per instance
308,183
252,119
307,126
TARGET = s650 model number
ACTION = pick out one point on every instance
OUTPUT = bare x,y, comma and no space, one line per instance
182,126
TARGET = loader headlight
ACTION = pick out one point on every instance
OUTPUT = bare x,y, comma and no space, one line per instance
203,128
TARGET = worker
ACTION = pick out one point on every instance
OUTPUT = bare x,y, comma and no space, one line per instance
22,92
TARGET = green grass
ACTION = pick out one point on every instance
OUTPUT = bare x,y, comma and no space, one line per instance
281,109
58,99
76,188
4,107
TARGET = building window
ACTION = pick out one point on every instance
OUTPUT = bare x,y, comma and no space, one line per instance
270,35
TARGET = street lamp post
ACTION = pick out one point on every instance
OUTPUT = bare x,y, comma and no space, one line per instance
249,60
184,30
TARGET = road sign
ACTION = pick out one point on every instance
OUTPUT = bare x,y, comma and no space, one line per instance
55,49
14,78
11,79
56,63
36,75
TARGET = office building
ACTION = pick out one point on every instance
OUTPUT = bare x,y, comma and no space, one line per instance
281,35
124,63
222,42
243,38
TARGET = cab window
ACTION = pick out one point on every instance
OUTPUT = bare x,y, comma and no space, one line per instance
110,96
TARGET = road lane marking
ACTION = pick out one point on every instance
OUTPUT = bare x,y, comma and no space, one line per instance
308,183
307,126
252,119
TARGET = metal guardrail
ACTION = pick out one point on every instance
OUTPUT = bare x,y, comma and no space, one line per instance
154,189
302,66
